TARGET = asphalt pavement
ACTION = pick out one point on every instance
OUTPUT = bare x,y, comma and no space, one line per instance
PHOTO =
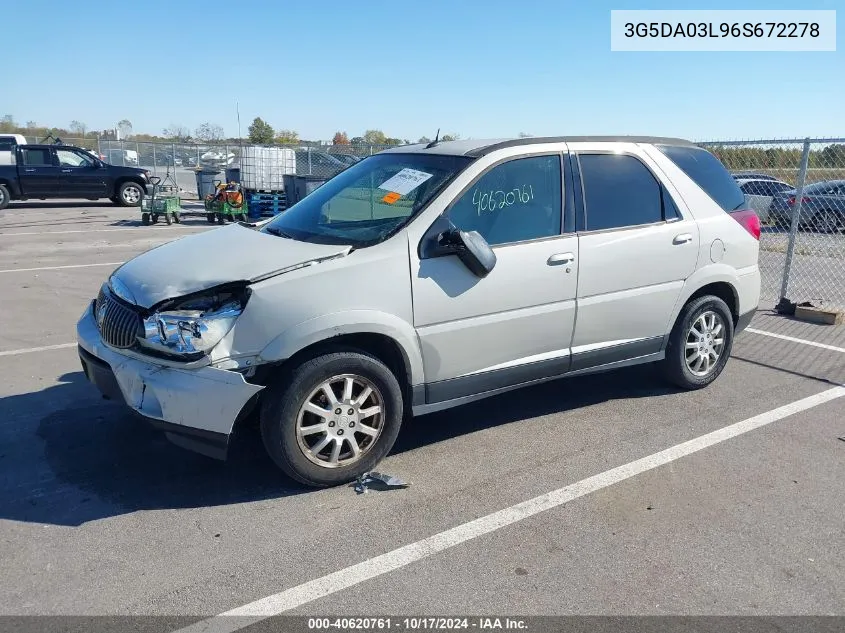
655,508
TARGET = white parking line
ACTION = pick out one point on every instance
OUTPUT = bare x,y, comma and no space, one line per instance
26,270
30,350
792,339
126,228
294,597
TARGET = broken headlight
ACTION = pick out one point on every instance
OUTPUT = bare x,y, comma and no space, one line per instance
194,326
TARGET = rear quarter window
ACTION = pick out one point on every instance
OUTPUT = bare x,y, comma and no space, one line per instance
708,173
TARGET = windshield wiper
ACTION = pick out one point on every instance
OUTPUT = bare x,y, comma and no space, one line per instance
274,231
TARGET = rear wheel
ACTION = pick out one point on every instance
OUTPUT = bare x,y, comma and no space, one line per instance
826,221
333,418
700,343
145,219
155,218
176,218
5,198
221,219
167,219
211,218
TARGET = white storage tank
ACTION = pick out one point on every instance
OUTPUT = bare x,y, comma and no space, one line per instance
264,168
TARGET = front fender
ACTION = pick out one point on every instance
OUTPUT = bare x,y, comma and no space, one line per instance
328,326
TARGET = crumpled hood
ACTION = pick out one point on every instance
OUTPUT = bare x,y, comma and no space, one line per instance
212,258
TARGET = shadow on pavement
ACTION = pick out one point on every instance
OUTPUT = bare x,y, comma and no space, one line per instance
93,459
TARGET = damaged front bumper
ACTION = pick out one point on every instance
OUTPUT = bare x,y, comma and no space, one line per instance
196,408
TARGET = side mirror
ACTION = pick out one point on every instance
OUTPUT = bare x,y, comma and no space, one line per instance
472,249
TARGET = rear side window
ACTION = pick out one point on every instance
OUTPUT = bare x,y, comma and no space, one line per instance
620,191
708,173
37,157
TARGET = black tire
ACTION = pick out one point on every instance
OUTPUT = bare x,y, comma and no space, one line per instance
167,219
176,218
221,219
127,200
674,366
211,218
155,218
145,219
825,221
282,401
5,197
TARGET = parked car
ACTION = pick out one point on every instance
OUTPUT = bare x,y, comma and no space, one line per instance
123,157
748,175
759,194
822,207
8,142
318,163
423,278
65,171
347,159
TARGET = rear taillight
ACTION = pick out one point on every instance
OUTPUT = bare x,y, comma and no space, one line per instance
791,201
749,221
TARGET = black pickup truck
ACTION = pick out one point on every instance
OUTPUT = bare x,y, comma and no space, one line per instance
64,171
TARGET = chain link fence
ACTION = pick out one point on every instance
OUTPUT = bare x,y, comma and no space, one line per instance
797,187
182,160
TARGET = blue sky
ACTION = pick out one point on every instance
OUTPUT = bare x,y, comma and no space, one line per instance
481,68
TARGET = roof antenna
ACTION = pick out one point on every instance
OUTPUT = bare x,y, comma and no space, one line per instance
435,141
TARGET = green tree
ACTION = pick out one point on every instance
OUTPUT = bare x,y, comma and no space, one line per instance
357,140
375,137
287,137
260,132
7,124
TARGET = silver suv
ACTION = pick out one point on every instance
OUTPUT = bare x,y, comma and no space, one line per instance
425,277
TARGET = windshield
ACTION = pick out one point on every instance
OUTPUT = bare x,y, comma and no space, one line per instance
370,201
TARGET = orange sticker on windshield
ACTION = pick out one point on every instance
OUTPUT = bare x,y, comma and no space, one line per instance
391,197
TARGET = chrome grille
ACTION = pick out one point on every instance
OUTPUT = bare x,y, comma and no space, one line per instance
119,324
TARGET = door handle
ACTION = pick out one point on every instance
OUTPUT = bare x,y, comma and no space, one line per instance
66,171
560,258
29,171
683,238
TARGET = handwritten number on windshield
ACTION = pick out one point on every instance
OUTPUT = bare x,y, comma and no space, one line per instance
487,201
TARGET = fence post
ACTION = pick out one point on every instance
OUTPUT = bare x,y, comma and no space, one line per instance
796,221
309,160
155,160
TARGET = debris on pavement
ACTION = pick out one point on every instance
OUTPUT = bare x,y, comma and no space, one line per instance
842,438
378,481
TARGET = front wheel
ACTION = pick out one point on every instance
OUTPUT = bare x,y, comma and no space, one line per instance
700,343
130,194
5,198
333,418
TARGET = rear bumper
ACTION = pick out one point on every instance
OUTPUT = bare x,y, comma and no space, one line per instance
196,408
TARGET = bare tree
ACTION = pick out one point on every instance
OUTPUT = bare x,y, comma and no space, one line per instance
525,135
124,126
78,128
209,132
179,133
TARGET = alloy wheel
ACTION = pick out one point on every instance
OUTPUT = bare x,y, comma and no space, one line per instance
705,343
340,421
